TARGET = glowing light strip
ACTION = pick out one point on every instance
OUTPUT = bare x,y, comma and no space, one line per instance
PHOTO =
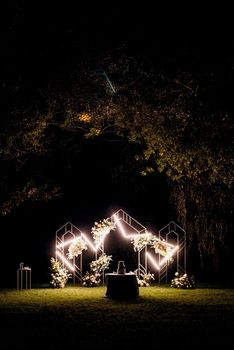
153,261
101,241
132,235
89,242
94,247
120,226
118,223
129,236
65,261
64,244
164,242
168,256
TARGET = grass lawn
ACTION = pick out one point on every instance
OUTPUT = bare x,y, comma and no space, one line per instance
79,316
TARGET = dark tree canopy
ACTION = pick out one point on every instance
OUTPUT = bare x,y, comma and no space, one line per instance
167,103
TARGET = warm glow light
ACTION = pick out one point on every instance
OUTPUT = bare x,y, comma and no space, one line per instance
127,236
96,247
164,242
64,244
120,226
101,241
89,242
153,261
168,255
65,261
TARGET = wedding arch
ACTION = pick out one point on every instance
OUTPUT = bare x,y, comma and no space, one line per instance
154,251
64,237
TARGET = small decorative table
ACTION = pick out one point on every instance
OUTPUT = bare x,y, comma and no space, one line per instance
24,278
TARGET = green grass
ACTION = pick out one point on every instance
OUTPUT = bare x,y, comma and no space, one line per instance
84,317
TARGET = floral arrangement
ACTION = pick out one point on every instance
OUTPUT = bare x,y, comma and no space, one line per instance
183,281
91,279
101,228
76,248
161,247
141,240
59,275
145,279
101,264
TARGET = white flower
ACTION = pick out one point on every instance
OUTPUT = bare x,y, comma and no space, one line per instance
183,281
141,240
145,279
91,279
76,248
101,264
101,229
59,274
161,247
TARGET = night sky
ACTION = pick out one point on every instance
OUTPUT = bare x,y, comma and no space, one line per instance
43,39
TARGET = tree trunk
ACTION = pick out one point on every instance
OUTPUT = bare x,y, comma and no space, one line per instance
205,213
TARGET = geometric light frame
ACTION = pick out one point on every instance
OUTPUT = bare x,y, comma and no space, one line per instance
64,236
145,258
168,232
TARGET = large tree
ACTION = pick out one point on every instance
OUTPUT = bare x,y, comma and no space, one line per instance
174,119
183,124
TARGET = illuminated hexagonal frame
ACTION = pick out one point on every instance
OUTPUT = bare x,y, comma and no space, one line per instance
136,228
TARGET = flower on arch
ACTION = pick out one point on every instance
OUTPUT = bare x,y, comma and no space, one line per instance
161,247
76,248
141,240
101,264
101,229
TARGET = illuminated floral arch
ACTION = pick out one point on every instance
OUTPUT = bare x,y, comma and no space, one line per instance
152,250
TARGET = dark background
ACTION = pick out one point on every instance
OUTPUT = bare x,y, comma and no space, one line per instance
40,41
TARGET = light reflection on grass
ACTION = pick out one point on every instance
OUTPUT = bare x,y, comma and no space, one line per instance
83,316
